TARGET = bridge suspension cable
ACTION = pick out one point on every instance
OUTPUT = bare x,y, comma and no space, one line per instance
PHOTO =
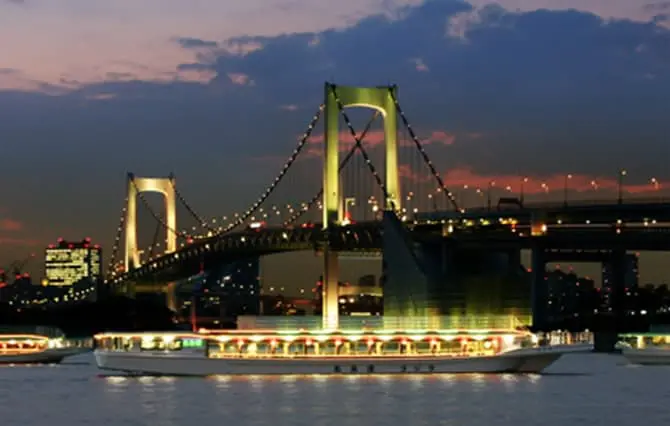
154,243
270,189
203,223
298,214
421,149
117,240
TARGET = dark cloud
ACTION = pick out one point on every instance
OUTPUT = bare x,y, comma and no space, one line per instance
541,85
193,43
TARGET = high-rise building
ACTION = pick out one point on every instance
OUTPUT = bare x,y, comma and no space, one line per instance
67,263
631,273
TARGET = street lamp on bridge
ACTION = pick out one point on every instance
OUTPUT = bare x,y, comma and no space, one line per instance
492,183
656,184
622,174
545,187
568,177
524,181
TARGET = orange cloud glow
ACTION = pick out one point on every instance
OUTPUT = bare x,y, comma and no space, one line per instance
465,178
10,225
375,138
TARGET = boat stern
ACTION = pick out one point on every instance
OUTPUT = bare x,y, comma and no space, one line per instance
536,360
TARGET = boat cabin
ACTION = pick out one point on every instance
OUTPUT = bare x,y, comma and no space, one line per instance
245,343
19,344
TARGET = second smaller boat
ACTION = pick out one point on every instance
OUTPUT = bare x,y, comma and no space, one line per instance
645,348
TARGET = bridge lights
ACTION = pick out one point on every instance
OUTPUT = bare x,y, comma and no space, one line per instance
488,192
622,174
655,183
566,185
524,181
545,187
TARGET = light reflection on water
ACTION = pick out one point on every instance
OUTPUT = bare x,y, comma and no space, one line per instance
584,389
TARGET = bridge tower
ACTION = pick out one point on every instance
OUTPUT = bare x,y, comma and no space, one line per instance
136,186
336,97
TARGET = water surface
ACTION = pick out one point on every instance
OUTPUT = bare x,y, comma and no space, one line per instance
580,390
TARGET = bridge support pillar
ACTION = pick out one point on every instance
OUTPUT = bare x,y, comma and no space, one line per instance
539,290
136,186
330,297
171,296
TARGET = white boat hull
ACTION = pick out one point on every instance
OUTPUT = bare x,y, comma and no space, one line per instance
647,356
152,363
48,356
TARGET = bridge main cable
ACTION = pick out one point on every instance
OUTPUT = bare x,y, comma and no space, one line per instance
270,189
117,241
203,223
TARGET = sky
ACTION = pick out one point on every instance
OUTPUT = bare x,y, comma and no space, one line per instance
218,92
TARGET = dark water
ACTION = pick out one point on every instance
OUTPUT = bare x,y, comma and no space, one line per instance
581,390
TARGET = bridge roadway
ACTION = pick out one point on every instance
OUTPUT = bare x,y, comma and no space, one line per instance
367,236
575,212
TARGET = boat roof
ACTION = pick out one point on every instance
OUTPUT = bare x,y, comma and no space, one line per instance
5,337
647,334
205,333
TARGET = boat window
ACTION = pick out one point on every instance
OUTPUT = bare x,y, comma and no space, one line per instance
175,345
301,348
330,348
424,347
391,348
152,344
660,340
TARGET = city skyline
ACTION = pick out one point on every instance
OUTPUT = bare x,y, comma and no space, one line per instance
500,92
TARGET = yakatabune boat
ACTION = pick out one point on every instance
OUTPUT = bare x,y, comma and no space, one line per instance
646,348
35,349
318,352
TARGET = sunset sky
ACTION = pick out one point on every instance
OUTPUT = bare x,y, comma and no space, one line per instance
219,91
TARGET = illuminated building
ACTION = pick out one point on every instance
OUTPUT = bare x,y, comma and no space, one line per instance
67,263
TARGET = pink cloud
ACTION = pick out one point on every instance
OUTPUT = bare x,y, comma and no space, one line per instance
538,184
240,79
10,225
19,242
419,65
289,107
376,138
440,136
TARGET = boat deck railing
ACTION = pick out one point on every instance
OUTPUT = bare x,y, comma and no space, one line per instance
349,355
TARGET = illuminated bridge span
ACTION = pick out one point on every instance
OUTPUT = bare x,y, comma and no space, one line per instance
345,213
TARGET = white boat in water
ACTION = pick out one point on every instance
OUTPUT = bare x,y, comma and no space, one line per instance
645,348
35,349
318,352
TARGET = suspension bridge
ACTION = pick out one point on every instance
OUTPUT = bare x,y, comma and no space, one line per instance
344,213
